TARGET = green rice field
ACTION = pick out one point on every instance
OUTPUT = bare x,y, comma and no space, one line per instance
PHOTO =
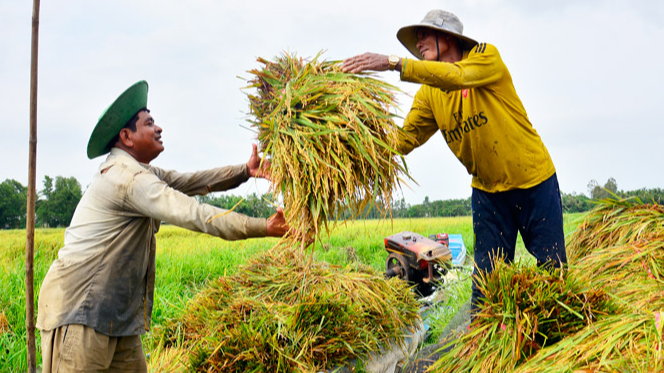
187,260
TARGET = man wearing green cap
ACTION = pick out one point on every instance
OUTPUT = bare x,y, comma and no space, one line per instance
96,299
467,94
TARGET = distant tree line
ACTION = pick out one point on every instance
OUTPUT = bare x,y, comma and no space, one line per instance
428,208
252,205
58,199
580,203
54,206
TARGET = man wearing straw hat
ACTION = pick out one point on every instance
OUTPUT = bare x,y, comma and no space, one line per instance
96,299
467,94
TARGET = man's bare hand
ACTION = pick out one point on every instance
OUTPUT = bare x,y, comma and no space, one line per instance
276,224
256,167
364,62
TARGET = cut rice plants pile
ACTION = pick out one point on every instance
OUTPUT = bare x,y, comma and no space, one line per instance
331,140
616,223
620,248
605,313
283,313
623,342
526,309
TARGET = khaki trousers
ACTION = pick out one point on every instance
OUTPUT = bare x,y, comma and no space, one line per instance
79,348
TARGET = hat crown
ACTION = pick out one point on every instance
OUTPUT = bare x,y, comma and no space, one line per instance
443,20
439,20
115,117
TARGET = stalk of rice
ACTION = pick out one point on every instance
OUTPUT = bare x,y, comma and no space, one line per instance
4,324
282,313
525,309
171,360
614,287
616,222
633,273
330,137
630,342
620,248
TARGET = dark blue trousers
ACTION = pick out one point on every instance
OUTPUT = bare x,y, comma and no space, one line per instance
536,213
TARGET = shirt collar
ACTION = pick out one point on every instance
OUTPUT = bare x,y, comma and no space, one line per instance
120,153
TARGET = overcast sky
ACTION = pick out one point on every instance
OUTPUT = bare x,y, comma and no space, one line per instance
588,72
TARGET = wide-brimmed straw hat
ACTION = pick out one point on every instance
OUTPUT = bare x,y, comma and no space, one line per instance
115,117
439,20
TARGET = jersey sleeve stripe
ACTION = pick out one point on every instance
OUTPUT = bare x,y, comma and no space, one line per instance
479,48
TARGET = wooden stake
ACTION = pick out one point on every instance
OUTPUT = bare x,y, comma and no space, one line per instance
30,219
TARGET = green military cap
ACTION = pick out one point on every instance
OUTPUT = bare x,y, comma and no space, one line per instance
115,117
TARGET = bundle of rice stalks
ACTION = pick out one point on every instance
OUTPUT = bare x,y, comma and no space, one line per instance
620,248
614,287
614,223
616,343
331,139
280,313
632,273
171,360
526,309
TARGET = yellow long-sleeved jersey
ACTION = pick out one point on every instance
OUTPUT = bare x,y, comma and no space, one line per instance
474,105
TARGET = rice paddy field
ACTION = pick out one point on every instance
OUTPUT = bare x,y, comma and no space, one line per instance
187,261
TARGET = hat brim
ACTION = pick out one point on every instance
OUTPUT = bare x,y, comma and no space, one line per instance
115,117
408,37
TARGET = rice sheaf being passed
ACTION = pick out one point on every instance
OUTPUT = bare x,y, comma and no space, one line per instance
331,139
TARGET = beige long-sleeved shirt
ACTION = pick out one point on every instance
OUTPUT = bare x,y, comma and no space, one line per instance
104,275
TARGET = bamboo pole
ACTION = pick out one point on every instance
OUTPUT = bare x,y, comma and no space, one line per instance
30,219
